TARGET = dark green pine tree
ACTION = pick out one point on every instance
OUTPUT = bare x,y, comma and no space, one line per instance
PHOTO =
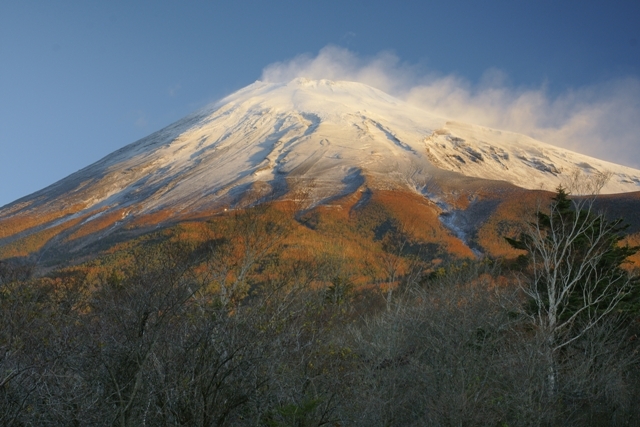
560,226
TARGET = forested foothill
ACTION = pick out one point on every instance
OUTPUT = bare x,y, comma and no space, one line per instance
227,323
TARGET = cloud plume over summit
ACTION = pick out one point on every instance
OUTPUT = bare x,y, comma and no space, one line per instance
601,120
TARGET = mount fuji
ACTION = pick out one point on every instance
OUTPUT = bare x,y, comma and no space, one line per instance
270,140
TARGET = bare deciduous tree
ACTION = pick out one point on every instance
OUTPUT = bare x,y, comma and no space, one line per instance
574,279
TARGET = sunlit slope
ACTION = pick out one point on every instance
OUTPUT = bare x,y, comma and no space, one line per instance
320,139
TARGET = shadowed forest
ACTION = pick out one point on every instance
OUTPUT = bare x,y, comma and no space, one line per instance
227,324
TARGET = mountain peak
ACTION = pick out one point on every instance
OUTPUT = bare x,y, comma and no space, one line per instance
333,136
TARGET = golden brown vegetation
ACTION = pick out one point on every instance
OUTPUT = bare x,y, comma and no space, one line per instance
20,222
259,318
633,240
101,222
32,243
508,220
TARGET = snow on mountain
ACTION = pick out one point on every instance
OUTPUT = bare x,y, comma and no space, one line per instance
331,135
499,155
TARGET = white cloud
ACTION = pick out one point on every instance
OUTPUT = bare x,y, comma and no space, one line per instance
602,120
383,71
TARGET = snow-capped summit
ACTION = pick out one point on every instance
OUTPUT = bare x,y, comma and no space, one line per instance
332,136
329,132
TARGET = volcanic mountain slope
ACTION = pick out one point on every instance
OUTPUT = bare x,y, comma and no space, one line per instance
323,139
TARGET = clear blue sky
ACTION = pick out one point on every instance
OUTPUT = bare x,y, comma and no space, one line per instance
81,79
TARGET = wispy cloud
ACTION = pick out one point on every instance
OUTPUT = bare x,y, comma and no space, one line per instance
174,89
347,38
383,71
139,118
601,120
